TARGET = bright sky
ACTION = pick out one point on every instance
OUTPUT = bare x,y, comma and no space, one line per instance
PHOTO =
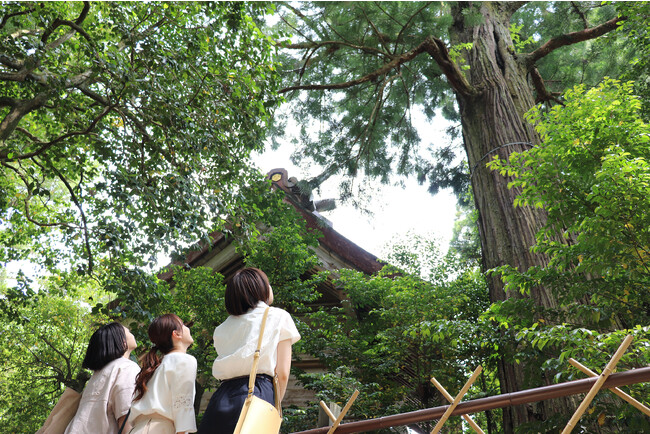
396,211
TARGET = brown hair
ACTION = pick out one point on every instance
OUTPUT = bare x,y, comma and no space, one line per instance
245,289
160,333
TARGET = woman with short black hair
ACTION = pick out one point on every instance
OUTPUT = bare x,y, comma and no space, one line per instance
106,399
248,295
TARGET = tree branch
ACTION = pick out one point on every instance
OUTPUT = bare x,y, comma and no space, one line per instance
581,14
437,49
18,111
6,18
569,39
512,7
380,36
45,146
23,70
43,362
408,22
8,102
543,94
320,44
76,25
27,198
67,360
434,47
20,108
76,201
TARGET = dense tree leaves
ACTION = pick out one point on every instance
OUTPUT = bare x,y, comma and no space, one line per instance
397,331
41,354
636,28
126,127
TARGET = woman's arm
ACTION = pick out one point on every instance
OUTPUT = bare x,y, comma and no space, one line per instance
283,366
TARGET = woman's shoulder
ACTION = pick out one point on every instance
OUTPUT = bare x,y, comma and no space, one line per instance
279,313
122,364
178,358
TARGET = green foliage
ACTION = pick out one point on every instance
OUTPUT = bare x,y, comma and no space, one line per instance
41,350
637,31
285,251
465,242
396,331
197,296
133,127
515,34
592,176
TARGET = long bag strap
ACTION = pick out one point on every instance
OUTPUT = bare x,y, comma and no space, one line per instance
256,356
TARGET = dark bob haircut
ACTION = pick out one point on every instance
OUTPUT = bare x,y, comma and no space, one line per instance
106,344
245,289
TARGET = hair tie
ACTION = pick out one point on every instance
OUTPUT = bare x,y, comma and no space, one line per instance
155,348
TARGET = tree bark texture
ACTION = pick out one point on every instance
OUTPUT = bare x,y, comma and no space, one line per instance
493,125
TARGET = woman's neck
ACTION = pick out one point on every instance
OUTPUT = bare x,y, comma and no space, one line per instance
179,349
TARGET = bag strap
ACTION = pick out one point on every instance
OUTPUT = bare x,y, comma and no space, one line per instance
124,423
256,357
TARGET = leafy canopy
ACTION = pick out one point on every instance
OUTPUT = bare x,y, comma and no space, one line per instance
126,127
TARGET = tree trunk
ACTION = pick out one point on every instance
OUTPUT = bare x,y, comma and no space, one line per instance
493,125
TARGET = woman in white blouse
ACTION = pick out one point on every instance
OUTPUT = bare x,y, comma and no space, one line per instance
107,396
164,390
248,294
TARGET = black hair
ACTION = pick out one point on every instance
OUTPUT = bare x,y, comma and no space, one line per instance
245,289
106,344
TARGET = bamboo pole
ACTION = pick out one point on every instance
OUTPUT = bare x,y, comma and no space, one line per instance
568,388
345,410
450,398
599,383
460,395
636,404
328,412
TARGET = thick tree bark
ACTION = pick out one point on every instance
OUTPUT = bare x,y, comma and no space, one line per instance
493,125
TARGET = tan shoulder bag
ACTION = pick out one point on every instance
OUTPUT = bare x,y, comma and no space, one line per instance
62,413
258,416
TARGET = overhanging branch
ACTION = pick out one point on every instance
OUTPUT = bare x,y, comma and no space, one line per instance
434,47
569,39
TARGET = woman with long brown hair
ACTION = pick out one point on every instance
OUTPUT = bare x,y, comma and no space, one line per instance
164,389
248,296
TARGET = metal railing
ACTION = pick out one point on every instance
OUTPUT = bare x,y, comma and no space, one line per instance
634,376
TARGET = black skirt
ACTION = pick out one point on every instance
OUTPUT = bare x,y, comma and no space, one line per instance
226,403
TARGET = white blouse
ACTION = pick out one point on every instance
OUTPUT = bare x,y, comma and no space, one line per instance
106,397
170,392
236,341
